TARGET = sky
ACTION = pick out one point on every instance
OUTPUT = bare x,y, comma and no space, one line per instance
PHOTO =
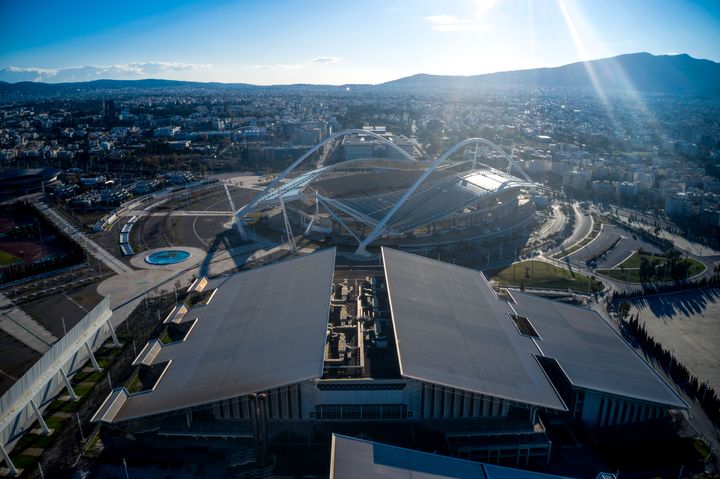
336,41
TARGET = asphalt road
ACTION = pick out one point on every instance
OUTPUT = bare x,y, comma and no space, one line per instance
552,224
583,226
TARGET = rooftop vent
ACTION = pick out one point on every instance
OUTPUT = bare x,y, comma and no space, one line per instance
524,326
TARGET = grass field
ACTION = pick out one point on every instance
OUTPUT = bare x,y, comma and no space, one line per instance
539,274
7,258
634,260
629,270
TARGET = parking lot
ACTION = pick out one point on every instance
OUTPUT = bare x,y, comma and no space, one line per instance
615,244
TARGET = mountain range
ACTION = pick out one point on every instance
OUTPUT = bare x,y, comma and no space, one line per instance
662,74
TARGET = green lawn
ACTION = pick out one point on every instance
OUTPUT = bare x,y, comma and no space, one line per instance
634,260
539,274
7,258
24,461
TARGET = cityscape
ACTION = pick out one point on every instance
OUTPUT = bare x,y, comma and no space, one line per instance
265,259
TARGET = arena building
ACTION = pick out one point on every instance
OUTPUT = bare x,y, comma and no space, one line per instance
26,181
397,201
298,349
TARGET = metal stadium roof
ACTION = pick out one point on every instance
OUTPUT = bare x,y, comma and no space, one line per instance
590,352
358,459
263,329
452,330
434,199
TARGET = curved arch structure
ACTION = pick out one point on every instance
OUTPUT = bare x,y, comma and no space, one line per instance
306,178
355,131
380,226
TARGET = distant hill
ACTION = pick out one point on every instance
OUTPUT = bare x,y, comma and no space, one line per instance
39,87
666,74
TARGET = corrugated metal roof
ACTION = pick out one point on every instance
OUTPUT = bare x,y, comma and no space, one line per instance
590,352
359,459
452,330
263,329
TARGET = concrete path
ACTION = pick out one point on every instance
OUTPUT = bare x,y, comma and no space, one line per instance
129,289
22,327
178,213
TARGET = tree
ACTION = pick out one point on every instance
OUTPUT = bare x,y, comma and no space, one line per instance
646,270
623,309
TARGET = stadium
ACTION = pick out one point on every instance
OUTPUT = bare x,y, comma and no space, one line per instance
401,202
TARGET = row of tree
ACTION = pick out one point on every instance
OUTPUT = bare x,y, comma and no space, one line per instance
705,282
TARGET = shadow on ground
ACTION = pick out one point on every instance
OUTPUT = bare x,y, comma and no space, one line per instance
686,303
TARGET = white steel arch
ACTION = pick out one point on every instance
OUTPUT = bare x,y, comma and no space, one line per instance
249,207
377,231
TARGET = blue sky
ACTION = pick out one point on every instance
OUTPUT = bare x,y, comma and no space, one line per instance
336,42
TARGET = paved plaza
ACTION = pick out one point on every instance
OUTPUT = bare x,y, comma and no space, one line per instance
687,323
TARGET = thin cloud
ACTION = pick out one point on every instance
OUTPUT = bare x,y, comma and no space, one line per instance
452,23
127,71
315,62
326,60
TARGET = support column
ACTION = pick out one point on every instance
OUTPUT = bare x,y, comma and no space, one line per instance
68,386
95,364
547,459
12,471
40,419
114,336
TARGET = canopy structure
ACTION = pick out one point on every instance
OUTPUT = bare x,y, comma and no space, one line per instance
420,202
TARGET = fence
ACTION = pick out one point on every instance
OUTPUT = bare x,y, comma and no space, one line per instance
65,454
44,379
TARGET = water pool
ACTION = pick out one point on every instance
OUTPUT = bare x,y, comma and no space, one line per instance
167,257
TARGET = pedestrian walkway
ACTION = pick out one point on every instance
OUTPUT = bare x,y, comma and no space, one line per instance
177,213
93,248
